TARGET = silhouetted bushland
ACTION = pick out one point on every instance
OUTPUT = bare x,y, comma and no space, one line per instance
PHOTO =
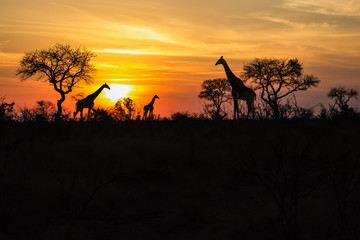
277,79
185,116
340,107
101,115
43,111
6,110
198,179
291,110
125,109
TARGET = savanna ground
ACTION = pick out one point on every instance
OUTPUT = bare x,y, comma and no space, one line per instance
263,179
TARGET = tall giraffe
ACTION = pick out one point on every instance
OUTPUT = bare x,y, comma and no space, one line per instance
238,90
88,102
149,108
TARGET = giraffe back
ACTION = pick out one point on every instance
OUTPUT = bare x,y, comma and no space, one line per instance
84,103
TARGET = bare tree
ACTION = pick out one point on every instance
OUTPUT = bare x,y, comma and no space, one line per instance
216,92
61,66
278,78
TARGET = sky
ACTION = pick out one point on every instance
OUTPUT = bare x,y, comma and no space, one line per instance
169,47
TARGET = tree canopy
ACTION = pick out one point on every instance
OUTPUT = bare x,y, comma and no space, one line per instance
62,66
341,97
278,78
216,93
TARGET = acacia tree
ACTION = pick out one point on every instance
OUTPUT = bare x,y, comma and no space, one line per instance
341,97
278,78
216,92
62,66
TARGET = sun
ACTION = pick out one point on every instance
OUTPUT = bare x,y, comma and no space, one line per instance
118,91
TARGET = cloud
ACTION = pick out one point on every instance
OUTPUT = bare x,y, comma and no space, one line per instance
9,59
125,51
349,8
297,24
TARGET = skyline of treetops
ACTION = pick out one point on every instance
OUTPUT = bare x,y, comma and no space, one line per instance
273,86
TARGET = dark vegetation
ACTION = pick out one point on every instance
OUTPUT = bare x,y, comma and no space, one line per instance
289,173
180,179
277,79
62,66
186,177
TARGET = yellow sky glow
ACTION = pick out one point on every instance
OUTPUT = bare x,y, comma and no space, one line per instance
118,91
169,47
123,51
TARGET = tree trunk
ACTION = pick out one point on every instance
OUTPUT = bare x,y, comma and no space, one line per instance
59,108
276,110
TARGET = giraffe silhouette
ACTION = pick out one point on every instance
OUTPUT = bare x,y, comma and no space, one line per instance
238,90
148,109
88,102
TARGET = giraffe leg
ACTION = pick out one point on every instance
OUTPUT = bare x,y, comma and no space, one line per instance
76,110
145,113
236,109
252,109
249,108
88,115
81,115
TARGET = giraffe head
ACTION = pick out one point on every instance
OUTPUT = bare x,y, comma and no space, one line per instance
106,86
220,61
156,96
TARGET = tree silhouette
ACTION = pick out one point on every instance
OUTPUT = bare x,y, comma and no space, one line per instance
43,111
6,109
215,91
100,115
61,65
341,97
124,109
278,78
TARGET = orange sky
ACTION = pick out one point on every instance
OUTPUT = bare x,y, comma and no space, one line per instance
168,47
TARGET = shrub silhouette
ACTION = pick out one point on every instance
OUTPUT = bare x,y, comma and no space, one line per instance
6,110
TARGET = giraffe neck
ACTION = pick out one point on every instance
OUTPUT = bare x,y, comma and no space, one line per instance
95,94
152,101
229,74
